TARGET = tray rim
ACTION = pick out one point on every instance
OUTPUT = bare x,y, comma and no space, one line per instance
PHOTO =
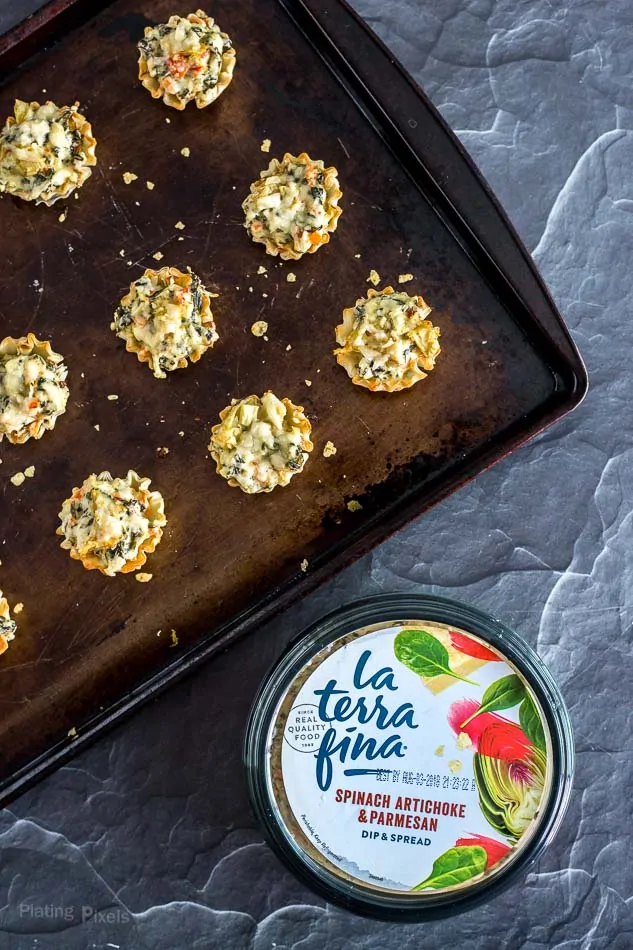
50,19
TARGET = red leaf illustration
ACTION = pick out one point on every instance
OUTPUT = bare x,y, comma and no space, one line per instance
490,733
494,849
504,740
471,648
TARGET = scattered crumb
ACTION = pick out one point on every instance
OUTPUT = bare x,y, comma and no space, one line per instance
329,449
29,472
129,263
72,733
162,451
181,238
308,382
304,565
150,185
181,434
18,608
265,146
113,397
264,295
357,256
186,151
138,204
168,121
179,226
174,639
143,578
129,177
158,633
97,427
63,216
76,196
439,750
404,278
259,328
17,479
288,348
291,277
250,290
261,269
464,741
158,256
354,505
374,278
122,252
454,766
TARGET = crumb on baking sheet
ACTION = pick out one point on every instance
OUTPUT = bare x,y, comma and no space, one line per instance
404,278
179,226
265,146
308,382
186,151
329,449
29,472
181,434
158,256
17,479
291,278
289,347
354,505
259,328
143,577
357,256
113,397
261,269
96,426
181,238
174,639
150,185
304,565
266,295
250,290
18,608
129,263
72,733
129,177
374,278
168,121
122,252
162,451
63,216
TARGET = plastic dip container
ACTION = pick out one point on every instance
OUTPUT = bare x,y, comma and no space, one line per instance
409,756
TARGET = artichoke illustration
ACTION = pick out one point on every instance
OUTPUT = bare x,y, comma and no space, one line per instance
509,768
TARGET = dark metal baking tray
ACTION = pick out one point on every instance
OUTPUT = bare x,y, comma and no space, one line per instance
310,76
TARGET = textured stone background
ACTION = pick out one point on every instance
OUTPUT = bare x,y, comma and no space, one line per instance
540,92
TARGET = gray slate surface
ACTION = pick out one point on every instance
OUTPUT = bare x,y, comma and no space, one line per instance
152,825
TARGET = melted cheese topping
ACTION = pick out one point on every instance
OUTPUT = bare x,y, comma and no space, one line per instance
290,204
260,443
168,322
8,626
387,338
33,393
44,154
108,519
185,56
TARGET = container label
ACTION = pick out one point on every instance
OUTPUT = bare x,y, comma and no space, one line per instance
410,757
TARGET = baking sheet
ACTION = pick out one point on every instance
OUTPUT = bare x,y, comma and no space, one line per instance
88,646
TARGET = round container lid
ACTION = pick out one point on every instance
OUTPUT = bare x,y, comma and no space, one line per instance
408,755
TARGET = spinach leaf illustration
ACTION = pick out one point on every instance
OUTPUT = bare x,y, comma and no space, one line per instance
502,694
455,866
423,653
531,723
